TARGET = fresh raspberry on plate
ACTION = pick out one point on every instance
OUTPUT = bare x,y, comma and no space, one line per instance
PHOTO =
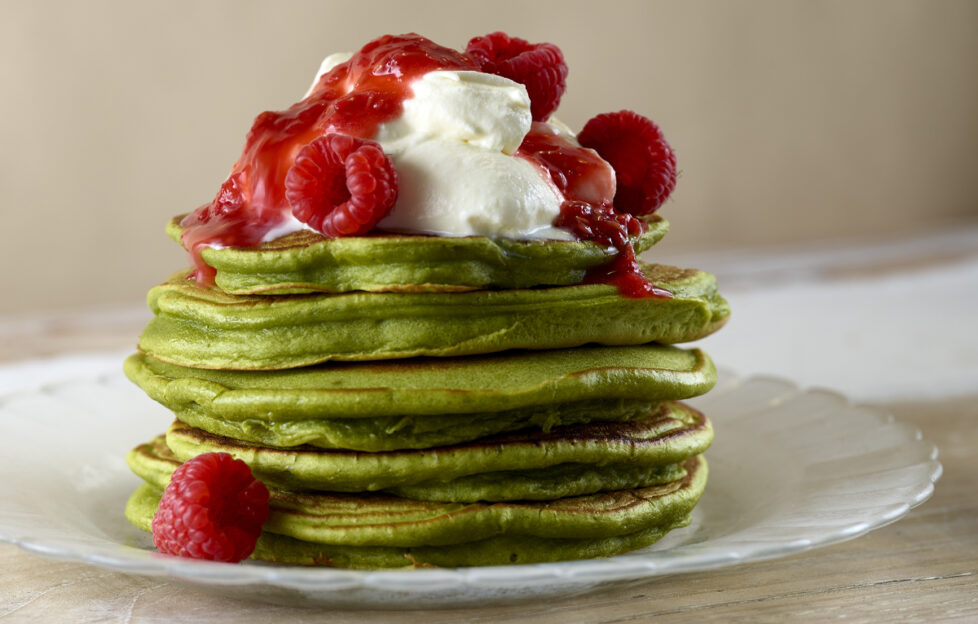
540,67
645,165
213,509
341,185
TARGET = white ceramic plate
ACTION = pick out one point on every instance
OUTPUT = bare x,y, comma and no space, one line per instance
790,470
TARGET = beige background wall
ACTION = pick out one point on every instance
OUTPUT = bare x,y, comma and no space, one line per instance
792,120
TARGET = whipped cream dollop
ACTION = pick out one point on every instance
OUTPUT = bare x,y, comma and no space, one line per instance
453,149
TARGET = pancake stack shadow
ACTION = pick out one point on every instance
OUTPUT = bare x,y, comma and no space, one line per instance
416,401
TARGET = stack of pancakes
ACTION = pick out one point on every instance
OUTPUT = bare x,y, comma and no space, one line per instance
414,400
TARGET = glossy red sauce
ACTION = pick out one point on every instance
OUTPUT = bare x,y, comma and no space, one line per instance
587,184
355,98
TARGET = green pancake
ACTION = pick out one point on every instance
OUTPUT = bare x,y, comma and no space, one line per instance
154,462
377,531
307,261
670,434
419,403
206,328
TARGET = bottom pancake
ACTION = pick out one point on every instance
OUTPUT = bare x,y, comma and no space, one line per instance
381,531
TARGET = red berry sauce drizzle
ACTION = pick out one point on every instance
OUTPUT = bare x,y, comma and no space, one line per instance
355,98
587,184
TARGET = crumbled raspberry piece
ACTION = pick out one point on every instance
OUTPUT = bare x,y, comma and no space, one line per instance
213,509
229,203
341,185
540,67
599,223
645,165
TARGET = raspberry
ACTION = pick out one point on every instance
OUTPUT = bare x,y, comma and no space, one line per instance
213,509
645,165
540,67
341,185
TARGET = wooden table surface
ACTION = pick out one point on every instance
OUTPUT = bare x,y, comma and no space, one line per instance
923,568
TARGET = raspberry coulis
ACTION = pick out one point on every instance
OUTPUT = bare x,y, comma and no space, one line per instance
587,184
355,98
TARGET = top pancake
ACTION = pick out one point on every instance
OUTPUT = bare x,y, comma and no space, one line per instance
306,261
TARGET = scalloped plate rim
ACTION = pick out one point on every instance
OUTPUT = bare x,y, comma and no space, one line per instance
441,584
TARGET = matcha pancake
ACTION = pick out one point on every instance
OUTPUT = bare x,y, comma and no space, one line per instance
155,462
377,530
206,328
424,402
306,261
670,434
